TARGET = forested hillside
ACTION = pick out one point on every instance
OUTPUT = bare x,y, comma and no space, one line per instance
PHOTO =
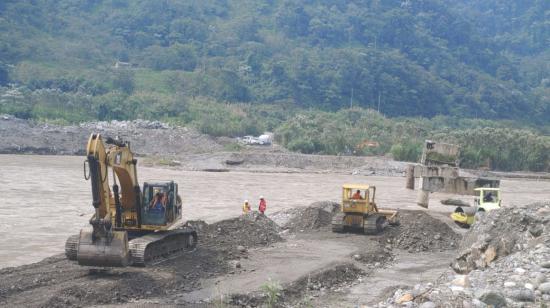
241,66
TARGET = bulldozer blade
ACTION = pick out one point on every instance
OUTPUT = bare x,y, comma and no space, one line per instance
391,216
103,252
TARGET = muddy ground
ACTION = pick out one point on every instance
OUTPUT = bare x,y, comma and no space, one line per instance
235,259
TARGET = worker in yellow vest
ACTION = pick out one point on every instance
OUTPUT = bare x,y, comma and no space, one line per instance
246,207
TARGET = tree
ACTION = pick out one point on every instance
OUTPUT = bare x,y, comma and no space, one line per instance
124,80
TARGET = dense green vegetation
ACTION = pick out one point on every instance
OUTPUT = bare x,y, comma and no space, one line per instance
484,143
232,67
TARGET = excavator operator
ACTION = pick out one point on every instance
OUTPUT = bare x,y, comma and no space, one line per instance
157,202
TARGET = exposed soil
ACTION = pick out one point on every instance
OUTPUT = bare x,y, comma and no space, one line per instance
307,290
234,236
418,231
380,256
233,253
57,282
316,216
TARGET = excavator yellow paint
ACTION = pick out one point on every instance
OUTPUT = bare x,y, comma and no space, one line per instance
130,226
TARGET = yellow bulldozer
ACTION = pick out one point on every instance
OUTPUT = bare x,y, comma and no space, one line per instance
359,212
130,226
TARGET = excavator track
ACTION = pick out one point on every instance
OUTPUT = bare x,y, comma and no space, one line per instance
374,224
338,223
149,249
158,247
71,247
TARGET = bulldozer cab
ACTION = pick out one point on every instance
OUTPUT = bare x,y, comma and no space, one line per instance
358,198
487,198
160,206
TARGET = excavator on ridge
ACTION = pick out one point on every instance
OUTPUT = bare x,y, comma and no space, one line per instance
130,226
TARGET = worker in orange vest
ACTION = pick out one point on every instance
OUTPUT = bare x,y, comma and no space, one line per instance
357,195
262,206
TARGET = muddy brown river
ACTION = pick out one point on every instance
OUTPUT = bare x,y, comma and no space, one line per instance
44,199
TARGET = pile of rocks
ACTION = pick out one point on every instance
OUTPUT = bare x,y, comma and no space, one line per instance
234,236
419,232
146,137
500,233
316,216
504,260
131,125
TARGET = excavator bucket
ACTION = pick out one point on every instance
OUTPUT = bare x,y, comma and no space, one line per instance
103,252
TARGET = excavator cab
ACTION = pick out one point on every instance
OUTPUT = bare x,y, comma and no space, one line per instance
160,211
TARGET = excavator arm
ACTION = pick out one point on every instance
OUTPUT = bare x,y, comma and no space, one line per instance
127,197
97,162
102,245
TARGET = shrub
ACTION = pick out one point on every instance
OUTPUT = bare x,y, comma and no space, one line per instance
407,151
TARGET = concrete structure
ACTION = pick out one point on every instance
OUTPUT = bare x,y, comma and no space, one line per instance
440,154
439,172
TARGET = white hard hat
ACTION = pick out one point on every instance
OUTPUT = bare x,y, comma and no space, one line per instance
261,197
245,201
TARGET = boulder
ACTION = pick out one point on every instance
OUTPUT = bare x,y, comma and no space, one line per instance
493,298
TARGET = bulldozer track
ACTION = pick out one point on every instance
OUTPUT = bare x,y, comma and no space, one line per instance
338,223
374,224
158,247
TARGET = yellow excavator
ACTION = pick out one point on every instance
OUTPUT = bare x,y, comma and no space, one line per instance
130,226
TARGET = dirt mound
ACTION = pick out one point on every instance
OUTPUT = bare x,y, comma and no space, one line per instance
500,233
247,231
418,231
316,216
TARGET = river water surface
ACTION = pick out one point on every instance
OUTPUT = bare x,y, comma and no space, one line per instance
44,199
